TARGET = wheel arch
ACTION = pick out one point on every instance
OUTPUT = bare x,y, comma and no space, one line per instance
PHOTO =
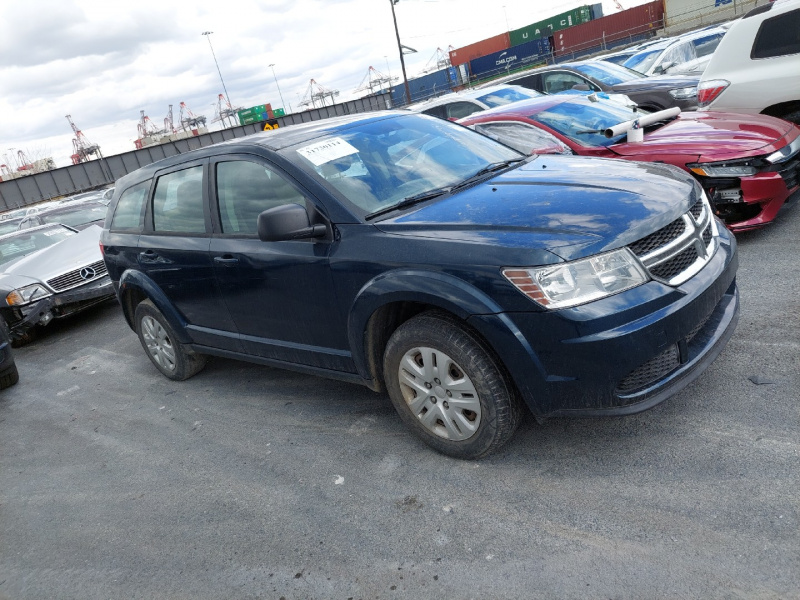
391,299
135,287
782,110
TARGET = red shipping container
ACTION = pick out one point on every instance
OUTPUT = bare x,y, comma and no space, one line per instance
613,28
478,49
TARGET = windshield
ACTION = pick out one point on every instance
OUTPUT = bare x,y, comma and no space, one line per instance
507,96
379,163
610,74
29,241
76,216
9,226
584,121
643,60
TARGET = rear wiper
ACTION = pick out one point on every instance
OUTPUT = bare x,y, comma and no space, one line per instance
410,200
490,168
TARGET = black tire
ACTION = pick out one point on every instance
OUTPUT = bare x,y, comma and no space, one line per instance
476,426
9,377
161,344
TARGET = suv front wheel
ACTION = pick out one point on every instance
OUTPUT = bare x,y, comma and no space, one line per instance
448,389
161,345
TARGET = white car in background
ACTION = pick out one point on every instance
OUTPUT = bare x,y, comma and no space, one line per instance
458,105
669,55
756,68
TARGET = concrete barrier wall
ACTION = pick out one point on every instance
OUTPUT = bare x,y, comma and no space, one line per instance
16,193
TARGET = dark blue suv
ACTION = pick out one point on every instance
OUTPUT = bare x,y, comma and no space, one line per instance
417,257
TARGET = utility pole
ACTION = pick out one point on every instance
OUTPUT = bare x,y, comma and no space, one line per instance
275,77
400,49
208,36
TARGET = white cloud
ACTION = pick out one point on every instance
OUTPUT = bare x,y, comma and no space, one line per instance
103,62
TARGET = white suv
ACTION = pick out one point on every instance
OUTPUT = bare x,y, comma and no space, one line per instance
756,68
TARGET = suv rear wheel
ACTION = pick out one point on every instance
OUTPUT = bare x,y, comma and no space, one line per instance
161,345
448,389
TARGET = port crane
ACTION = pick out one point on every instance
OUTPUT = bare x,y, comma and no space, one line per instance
82,148
315,92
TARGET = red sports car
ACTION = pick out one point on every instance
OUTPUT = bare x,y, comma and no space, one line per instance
749,165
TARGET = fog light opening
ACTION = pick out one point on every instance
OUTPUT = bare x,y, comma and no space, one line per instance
45,318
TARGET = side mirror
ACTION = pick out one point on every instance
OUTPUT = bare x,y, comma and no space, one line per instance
287,222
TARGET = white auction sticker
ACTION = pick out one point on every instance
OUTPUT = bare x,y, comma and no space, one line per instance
324,152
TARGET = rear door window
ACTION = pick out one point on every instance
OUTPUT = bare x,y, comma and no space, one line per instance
558,81
526,139
436,111
178,202
129,214
778,36
459,110
706,45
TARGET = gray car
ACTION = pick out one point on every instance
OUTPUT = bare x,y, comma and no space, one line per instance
49,272
649,93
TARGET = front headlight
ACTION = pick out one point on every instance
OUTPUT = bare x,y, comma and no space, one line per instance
27,294
684,93
722,169
785,153
579,281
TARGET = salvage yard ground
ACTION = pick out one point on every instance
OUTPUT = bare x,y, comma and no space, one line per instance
248,482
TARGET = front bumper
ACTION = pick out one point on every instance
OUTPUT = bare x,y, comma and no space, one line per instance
623,354
761,196
22,319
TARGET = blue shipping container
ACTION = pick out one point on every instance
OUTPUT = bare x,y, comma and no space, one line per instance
427,86
515,57
597,11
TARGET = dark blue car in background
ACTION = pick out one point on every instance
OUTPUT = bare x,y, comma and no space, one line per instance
418,257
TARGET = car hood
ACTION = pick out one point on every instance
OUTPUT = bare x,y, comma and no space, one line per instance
571,206
712,136
76,251
659,82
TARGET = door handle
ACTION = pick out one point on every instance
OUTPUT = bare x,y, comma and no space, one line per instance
226,260
148,256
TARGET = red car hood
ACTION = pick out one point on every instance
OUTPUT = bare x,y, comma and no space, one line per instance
714,136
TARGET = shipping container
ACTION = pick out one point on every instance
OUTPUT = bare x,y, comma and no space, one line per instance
427,86
278,112
682,15
546,27
255,114
626,26
597,11
482,48
516,57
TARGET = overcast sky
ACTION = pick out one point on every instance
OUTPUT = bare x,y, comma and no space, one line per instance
102,61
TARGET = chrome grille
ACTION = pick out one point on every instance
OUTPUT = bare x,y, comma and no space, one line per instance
661,237
697,209
678,264
675,253
790,172
74,278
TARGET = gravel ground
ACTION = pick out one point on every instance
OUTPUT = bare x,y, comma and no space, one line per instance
252,482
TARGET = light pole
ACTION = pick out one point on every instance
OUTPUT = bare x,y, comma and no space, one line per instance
272,66
208,36
400,49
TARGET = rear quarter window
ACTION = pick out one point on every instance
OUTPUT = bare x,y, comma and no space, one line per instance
778,36
129,214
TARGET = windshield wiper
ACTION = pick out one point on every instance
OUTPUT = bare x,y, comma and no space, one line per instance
490,168
589,131
427,195
409,201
